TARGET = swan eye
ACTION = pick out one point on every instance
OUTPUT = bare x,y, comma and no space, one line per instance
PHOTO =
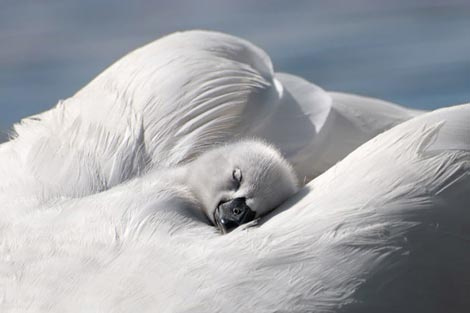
237,175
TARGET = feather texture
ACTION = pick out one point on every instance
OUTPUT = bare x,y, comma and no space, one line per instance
169,101
87,225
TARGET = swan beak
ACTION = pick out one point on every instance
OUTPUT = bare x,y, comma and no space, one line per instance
231,214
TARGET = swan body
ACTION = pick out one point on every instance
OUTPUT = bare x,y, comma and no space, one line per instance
86,226
383,230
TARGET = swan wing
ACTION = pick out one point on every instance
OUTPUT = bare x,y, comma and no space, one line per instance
167,102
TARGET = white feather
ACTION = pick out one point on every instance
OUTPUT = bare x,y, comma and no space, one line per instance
167,102
83,230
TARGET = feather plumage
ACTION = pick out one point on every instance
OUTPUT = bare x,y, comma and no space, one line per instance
86,227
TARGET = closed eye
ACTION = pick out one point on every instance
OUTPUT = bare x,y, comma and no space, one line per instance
237,177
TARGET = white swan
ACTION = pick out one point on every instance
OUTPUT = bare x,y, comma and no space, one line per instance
238,183
385,230
231,185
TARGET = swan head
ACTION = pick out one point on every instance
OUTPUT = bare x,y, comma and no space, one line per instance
240,182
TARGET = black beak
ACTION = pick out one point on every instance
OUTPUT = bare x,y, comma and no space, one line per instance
231,214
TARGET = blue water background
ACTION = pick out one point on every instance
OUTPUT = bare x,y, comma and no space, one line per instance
416,53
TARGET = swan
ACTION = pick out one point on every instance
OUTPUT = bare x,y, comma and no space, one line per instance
86,226
238,183
384,230
230,185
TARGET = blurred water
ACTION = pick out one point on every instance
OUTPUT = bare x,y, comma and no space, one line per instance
416,53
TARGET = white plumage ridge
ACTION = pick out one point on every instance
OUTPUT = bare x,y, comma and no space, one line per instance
84,227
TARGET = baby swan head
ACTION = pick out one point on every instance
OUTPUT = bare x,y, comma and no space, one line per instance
239,182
